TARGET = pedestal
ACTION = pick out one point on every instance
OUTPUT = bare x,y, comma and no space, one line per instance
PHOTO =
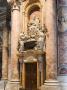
12,85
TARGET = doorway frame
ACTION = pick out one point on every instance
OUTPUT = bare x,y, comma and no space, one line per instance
34,64
23,74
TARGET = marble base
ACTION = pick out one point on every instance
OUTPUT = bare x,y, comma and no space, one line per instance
12,85
51,85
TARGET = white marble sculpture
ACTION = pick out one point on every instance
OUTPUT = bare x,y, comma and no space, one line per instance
34,27
35,32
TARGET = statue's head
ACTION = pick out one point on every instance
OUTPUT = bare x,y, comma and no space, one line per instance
22,36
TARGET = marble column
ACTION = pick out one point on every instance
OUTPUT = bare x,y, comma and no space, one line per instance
15,31
51,47
51,43
13,82
5,54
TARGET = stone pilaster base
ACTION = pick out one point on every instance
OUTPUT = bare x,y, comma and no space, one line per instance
51,85
12,85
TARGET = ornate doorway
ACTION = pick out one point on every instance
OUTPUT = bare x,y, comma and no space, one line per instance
31,76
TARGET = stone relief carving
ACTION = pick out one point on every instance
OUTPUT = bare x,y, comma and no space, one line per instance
21,42
35,28
22,39
35,33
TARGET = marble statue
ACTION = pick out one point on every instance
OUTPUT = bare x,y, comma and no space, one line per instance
23,38
35,28
21,42
41,40
34,25
35,33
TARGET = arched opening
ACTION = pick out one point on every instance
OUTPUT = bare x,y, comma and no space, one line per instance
34,11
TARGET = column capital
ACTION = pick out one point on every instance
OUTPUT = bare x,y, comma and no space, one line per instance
15,4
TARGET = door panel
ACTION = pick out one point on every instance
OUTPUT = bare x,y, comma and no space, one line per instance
31,76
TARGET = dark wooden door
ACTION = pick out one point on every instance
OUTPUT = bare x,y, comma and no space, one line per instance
31,76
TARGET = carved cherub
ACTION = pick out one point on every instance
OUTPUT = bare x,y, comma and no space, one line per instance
23,38
39,31
21,42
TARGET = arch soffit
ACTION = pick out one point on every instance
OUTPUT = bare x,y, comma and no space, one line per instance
28,6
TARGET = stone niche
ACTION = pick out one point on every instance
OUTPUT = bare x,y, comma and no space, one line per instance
34,20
